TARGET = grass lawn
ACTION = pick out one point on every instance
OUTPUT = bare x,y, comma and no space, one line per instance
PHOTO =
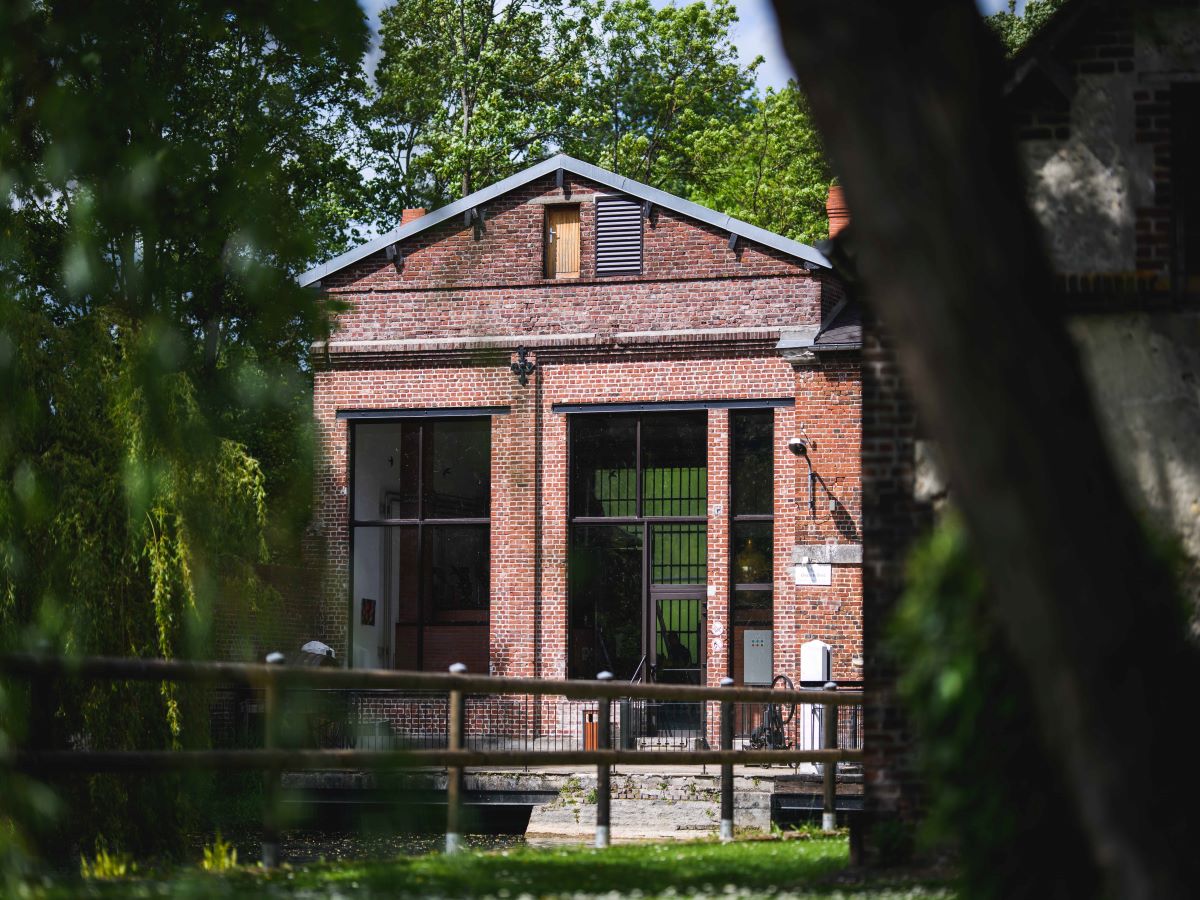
774,868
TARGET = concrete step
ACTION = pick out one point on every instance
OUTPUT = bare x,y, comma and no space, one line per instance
648,808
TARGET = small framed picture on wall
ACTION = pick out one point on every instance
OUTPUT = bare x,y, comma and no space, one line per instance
368,611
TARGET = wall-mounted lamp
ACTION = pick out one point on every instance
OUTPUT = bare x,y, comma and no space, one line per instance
522,368
394,256
799,446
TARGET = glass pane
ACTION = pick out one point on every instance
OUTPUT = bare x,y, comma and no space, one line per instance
679,554
753,553
385,470
606,600
603,466
457,581
368,591
752,607
678,629
675,464
751,462
458,468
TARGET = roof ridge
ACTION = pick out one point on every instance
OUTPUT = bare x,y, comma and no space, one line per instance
584,170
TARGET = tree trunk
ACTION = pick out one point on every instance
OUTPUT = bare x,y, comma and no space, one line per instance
908,101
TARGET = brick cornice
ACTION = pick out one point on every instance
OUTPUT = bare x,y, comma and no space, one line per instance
354,288
548,349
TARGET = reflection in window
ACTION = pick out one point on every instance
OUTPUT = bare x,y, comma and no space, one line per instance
636,470
604,466
752,469
680,554
458,572
674,465
752,608
420,506
752,530
605,567
753,552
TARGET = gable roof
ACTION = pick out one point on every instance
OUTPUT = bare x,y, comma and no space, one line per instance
577,167
1038,52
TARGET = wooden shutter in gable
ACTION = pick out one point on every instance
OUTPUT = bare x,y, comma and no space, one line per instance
618,236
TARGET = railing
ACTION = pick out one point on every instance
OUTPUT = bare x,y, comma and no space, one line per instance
389,720
698,710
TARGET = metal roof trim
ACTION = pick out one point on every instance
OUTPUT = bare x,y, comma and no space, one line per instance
583,170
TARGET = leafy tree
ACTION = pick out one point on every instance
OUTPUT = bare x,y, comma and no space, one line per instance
1015,29
469,91
165,169
766,167
655,81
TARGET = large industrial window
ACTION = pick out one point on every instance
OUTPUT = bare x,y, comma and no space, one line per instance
752,550
562,241
638,558
421,532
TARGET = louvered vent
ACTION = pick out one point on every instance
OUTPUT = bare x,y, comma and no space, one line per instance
618,236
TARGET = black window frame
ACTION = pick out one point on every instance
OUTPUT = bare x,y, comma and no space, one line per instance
736,518
646,523
420,522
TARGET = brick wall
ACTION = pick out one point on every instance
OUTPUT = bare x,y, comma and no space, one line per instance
455,286
891,520
699,324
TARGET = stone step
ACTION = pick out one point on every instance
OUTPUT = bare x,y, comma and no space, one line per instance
647,819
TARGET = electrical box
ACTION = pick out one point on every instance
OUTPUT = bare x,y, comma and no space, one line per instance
756,656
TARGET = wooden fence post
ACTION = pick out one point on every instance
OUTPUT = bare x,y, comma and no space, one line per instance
726,768
454,774
829,810
603,785
271,776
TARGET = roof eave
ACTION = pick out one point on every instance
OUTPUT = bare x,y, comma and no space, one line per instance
809,255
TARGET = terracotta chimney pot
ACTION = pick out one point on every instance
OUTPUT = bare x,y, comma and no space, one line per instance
835,206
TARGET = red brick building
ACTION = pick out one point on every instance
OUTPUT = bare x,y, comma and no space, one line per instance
554,427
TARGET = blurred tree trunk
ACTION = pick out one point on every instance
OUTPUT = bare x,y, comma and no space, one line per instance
908,100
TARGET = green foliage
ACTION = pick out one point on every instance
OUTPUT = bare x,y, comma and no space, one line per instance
220,856
793,868
766,167
470,91
165,170
1016,29
106,866
996,796
653,81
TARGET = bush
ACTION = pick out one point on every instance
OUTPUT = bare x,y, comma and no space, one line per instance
105,866
995,795
219,856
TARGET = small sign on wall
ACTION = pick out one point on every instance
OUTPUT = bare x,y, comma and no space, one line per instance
813,574
368,611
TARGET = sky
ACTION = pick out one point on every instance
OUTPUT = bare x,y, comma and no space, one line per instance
755,35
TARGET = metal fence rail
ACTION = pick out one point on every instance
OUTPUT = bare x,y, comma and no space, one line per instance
323,718
409,720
